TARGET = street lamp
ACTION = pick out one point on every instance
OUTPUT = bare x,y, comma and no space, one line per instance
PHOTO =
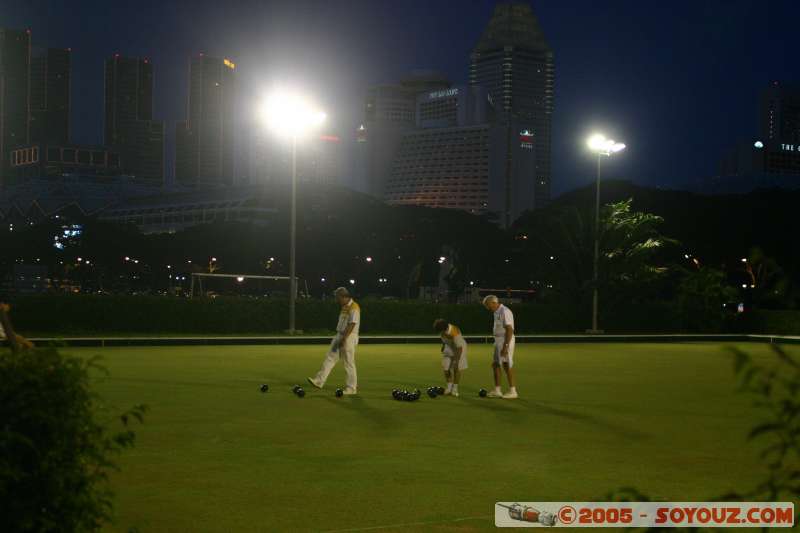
290,115
601,146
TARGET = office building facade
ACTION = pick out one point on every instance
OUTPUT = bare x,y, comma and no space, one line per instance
129,126
50,95
772,158
15,55
320,160
389,112
514,62
457,158
205,141
779,114
55,160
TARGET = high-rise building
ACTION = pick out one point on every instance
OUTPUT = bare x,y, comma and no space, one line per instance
457,158
50,95
771,159
514,62
129,125
320,160
389,112
779,114
15,54
205,141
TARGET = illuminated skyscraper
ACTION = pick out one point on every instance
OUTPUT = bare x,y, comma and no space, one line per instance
204,142
458,158
513,61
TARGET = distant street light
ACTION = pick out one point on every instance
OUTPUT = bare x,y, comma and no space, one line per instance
602,146
290,115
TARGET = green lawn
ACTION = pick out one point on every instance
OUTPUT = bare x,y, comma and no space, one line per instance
215,454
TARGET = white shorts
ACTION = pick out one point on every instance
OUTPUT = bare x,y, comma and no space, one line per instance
498,348
447,360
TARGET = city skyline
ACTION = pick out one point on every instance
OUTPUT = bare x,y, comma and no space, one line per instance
651,89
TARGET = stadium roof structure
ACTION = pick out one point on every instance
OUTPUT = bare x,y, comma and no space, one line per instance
40,198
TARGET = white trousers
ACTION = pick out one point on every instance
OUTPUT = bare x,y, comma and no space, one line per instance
347,353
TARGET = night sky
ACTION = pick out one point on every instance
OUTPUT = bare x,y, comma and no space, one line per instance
676,81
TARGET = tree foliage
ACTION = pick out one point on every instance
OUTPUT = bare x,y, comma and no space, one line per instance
631,247
56,451
702,292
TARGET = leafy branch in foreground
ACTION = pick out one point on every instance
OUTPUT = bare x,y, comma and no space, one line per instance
55,455
774,388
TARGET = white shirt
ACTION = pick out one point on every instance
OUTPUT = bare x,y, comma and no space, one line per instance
350,314
503,317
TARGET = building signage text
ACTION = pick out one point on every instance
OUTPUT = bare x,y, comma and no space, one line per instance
444,93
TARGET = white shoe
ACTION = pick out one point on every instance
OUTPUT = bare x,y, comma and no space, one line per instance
349,391
511,395
314,382
494,394
454,393
448,392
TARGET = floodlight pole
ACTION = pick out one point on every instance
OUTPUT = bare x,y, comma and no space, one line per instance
293,238
595,296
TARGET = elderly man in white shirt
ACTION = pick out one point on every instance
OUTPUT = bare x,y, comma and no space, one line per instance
504,343
343,345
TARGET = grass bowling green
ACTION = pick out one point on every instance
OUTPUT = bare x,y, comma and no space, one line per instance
217,454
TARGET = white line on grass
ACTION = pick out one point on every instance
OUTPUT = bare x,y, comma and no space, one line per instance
372,528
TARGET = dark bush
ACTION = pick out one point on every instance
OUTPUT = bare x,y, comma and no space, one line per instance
55,453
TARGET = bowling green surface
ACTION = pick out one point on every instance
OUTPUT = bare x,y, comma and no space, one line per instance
216,454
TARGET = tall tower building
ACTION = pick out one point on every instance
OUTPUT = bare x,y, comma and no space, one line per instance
779,114
513,61
15,55
129,125
50,95
389,112
205,141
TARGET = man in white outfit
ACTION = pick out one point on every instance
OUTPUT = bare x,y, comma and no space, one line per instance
504,343
343,345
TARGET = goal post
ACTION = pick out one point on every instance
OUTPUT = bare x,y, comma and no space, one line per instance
207,283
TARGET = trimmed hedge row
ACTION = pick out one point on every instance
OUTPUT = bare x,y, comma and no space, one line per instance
783,322
84,314
91,314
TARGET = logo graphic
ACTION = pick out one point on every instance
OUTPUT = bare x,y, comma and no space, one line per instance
524,513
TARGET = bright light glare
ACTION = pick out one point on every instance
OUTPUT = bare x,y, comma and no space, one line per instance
596,142
600,144
240,278
290,114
